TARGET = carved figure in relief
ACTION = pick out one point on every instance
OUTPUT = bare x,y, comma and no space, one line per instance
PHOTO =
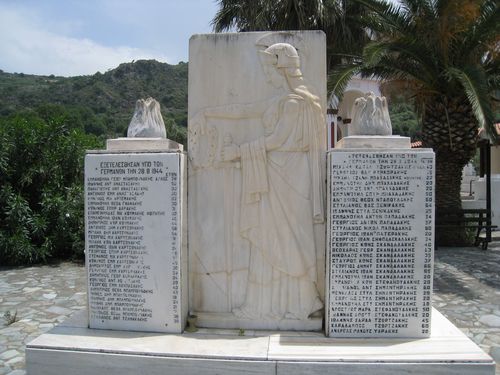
370,116
147,121
282,190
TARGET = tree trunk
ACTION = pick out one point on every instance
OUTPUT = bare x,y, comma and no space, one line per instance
450,128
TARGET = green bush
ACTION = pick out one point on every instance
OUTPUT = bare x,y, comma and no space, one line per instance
41,186
404,118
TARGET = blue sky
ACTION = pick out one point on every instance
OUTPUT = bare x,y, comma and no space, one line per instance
75,37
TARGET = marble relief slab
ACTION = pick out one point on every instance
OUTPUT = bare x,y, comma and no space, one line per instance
256,141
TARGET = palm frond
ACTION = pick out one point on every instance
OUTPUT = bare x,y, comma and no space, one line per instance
340,77
403,49
481,34
422,8
385,16
226,17
474,82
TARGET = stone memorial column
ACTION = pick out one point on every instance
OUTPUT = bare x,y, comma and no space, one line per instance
135,248
380,238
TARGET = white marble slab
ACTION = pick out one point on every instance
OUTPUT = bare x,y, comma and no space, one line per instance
135,254
85,363
377,368
374,141
77,351
380,242
256,136
187,345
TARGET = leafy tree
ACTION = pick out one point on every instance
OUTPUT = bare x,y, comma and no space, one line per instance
446,52
41,186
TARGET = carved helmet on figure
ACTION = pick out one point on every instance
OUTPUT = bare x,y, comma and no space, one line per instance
282,55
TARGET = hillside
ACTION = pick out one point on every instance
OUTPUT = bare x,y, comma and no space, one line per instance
104,102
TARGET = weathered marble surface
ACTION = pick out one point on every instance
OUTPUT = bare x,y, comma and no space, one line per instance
256,151
370,116
147,121
136,261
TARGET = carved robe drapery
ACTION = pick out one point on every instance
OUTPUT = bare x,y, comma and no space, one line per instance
278,193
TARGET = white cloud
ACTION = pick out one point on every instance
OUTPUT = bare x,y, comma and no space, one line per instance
27,46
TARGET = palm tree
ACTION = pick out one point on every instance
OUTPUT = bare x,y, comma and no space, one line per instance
446,53
339,19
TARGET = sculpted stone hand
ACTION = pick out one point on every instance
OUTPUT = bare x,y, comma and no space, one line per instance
230,152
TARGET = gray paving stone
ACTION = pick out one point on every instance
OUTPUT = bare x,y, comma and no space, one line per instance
59,310
13,361
490,320
9,354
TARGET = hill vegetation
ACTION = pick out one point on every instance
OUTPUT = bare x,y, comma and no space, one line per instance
103,103
46,124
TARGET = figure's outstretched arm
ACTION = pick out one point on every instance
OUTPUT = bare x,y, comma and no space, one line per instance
236,111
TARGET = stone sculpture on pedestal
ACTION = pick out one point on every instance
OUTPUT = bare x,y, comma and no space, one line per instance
146,130
147,121
370,116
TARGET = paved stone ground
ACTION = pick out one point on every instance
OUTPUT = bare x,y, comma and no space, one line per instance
43,297
466,285
467,291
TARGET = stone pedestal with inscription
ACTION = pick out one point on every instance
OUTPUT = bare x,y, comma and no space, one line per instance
380,241
135,256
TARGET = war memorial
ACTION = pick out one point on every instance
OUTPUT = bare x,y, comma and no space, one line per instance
258,250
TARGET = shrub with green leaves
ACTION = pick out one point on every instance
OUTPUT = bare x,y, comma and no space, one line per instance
41,186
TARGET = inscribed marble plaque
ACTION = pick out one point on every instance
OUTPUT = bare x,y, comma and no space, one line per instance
380,243
133,239
256,141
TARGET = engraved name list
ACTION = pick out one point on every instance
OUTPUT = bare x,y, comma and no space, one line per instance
132,240
380,244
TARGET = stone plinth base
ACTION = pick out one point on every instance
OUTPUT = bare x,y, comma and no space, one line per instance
137,144
73,349
374,141
229,321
